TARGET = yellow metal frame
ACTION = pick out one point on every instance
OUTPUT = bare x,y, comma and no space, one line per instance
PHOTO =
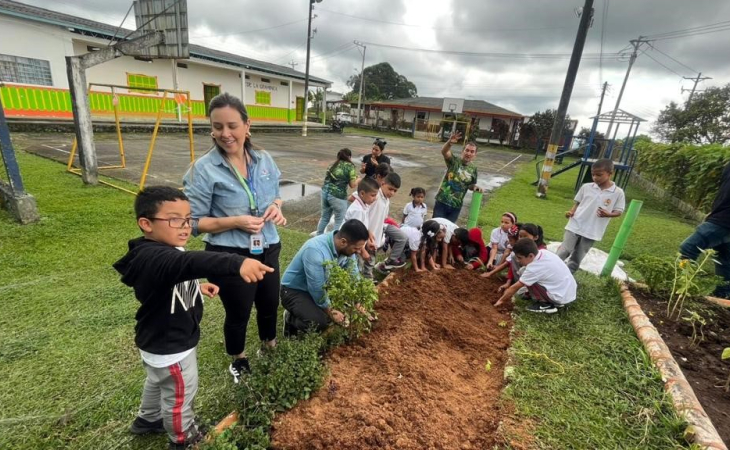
77,171
433,128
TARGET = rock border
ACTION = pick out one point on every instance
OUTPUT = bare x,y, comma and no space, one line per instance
700,430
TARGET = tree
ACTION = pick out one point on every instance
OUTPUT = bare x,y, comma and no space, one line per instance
539,126
706,120
500,129
382,82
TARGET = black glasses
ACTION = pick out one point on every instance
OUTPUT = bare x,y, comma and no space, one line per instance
176,222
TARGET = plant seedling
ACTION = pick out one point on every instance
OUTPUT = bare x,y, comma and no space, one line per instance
695,319
726,355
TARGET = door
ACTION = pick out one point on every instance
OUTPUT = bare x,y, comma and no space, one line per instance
300,109
210,91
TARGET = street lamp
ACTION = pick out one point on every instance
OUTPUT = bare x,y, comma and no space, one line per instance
306,72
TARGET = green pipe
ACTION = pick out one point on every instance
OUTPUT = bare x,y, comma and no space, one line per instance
622,237
476,205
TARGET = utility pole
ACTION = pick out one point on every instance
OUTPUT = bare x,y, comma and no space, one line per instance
293,64
555,135
362,78
637,44
595,121
306,72
694,88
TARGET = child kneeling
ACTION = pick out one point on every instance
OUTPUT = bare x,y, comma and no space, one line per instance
546,276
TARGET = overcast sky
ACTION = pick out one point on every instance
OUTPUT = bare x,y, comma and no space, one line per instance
275,31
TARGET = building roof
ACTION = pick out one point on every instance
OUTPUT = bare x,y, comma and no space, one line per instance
98,29
475,107
621,117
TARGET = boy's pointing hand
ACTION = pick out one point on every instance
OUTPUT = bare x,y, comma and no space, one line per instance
253,270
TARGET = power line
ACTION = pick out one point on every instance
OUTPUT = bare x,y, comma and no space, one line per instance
250,31
603,31
688,30
498,55
657,61
673,59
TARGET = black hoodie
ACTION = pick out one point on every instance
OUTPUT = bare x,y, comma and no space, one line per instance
165,281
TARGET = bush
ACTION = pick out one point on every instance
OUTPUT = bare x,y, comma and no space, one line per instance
660,274
688,172
352,295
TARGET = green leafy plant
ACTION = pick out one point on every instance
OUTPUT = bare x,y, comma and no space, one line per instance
698,323
352,295
690,280
726,355
658,273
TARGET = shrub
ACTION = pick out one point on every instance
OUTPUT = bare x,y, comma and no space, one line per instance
352,295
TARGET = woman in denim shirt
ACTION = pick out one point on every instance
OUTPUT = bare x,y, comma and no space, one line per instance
234,197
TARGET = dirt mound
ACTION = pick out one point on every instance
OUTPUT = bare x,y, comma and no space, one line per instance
428,376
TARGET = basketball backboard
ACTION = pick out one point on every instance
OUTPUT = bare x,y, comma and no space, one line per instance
169,16
453,105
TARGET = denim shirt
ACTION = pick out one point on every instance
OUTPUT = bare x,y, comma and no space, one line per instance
307,271
215,191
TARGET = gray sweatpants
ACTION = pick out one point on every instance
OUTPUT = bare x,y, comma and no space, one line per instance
575,246
397,251
168,393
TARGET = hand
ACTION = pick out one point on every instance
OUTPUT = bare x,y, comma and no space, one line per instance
210,290
436,266
418,270
449,266
460,259
469,267
250,224
487,274
273,214
569,214
503,287
477,189
336,316
455,137
373,161
603,213
490,266
362,311
499,302
364,254
253,270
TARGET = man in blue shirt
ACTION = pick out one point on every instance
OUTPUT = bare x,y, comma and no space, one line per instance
303,296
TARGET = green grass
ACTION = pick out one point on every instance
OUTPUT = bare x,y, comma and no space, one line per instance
71,374
370,132
583,380
658,231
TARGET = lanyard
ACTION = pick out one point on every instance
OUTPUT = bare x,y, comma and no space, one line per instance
250,191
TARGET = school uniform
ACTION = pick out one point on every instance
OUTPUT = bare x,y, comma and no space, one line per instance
549,280
415,214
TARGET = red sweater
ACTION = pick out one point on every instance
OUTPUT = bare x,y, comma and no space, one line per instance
475,248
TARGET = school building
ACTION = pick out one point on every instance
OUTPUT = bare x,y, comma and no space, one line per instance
33,82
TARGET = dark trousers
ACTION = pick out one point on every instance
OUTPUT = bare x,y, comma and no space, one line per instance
238,297
304,314
445,211
711,235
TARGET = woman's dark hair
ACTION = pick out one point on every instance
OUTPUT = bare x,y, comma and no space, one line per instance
534,230
344,155
227,100
382,170
429,230
380,143
462,234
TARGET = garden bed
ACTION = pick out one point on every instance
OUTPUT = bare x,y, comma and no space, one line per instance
429,375
701,364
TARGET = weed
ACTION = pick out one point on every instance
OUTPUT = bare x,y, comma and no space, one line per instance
695,319
690,280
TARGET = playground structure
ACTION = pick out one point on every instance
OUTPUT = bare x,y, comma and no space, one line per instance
179,103
593,149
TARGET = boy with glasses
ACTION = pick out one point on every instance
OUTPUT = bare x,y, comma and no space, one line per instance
165,281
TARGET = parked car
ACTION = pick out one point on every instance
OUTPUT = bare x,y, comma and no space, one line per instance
343,117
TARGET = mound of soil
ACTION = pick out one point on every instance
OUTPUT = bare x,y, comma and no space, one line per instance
702,365
429,375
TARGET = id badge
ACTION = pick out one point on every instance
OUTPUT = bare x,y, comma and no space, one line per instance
257,244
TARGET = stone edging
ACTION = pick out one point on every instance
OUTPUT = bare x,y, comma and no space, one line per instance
700,430
232,418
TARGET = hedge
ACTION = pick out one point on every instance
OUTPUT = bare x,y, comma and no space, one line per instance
689,172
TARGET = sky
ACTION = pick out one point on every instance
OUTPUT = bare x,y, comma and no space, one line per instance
526,77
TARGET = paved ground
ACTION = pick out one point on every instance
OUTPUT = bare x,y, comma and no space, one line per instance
301,160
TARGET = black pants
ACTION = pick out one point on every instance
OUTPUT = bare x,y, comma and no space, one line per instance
238,297
304,313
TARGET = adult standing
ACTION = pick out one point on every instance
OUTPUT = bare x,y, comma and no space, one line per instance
460,176
302,287
339,177
234,197
370,162
714,233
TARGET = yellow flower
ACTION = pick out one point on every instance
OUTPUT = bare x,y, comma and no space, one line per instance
683,263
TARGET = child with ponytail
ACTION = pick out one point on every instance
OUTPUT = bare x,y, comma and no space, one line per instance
415,211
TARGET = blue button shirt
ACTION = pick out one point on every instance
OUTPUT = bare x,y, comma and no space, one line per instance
307,271
215,191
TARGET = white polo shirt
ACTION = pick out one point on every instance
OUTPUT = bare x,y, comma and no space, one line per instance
414,237
550,272
415,215
377,213
585,222
449,225
359,211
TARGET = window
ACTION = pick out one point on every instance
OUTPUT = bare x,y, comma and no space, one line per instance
247,77
136,80
421,115
91,48
143,58
263,98
182,65
285,83
16,69
265,80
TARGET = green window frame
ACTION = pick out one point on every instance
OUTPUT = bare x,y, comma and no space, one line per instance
263,98
138,80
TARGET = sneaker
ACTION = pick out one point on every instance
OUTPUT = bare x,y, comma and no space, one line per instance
286,329
238,367
545,308
144,426
194,435
390,264
380,267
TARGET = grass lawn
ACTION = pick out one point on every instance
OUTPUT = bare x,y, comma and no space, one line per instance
72,375
581,378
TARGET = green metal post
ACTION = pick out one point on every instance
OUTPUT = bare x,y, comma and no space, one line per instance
476,205
622,236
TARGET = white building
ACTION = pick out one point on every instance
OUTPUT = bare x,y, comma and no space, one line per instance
33,82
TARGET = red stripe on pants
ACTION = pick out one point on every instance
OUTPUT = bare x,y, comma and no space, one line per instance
176,373
539,293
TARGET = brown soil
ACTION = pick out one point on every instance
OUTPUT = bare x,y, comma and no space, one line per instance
418,380
702,366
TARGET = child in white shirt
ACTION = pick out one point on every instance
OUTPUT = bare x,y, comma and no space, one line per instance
547,278
595,204
414,212
499,240
359,209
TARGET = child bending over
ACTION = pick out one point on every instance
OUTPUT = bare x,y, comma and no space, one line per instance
444,251
468,248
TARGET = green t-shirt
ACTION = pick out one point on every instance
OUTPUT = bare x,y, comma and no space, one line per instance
338,179
456,182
